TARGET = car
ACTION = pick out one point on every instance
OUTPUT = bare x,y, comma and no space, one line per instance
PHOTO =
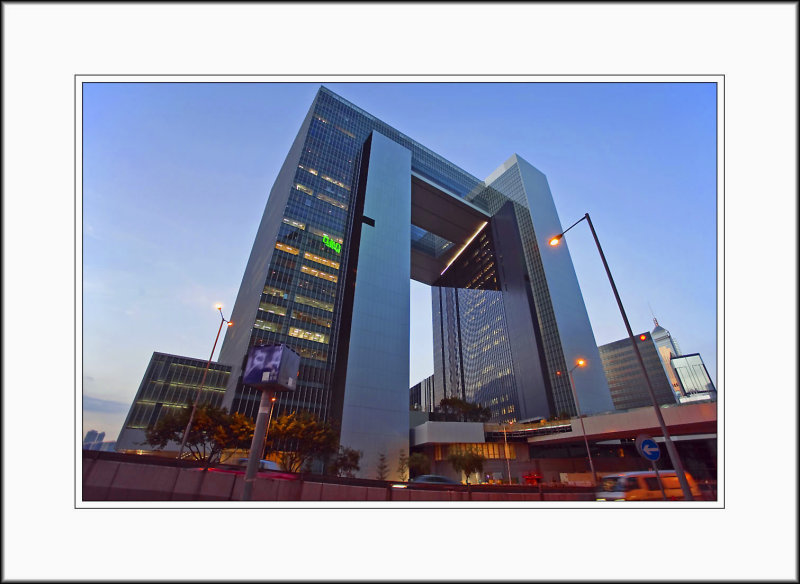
644,486
434,480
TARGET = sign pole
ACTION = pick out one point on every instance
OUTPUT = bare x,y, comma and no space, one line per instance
257,444
658,478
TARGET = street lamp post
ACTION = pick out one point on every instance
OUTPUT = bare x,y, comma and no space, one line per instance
508,460
202,381
272,400
581,363
671,450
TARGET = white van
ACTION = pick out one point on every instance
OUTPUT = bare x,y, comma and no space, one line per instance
643,486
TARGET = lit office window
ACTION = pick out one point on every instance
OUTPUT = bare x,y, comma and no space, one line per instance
313,302
272,308
277,292
308,335
319,274
287,248
294,223
321,260
304,188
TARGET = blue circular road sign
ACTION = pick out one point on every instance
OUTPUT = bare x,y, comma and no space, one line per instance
648,447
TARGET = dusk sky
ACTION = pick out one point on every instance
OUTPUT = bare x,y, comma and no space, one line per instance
176,177
146,220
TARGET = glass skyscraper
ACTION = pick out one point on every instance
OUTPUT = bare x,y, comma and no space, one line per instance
625,378
357,210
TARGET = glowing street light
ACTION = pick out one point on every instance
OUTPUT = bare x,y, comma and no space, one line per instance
203,381
581,363
671,450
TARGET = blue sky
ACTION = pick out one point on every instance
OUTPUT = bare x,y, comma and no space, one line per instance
175,179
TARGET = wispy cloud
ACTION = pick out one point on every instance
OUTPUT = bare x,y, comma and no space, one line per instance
93,404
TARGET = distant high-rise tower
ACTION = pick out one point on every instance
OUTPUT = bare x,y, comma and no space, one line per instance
668,349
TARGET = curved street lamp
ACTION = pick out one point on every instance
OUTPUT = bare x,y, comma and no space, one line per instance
671,450
203,381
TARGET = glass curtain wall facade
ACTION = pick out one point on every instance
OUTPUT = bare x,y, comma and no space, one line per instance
302,245
472,353
170,383
421,395
693,375
511,318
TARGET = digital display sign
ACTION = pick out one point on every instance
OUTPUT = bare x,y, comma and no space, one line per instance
272,366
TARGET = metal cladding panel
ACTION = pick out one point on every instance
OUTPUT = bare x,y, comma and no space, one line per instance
375,403
574,328
448,433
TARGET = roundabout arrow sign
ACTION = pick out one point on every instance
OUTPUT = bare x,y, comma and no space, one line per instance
647,447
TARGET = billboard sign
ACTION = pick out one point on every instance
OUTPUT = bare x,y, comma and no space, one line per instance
273,367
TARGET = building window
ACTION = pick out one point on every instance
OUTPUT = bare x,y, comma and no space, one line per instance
315,303
308,335
319,274
321,260
287,248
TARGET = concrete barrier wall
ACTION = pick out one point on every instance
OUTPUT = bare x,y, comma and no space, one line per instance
110,480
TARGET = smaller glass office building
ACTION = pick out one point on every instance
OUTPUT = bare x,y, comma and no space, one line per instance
170,382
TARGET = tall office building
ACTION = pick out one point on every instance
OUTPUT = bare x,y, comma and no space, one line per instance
624,373
357,210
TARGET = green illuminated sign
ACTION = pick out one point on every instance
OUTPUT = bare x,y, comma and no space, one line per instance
334,245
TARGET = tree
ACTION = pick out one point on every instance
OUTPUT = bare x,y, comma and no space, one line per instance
458,410
382,468
213,430
402,465
345,462
449,406
418,464
466,462
301,437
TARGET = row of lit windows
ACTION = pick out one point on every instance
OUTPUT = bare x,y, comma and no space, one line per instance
277,292
314,230
331,180
310,256
489,450
313,302
318,273
272,308
308,335
310,318
342,130
322,197
265,325
294,223
287,248
321,260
